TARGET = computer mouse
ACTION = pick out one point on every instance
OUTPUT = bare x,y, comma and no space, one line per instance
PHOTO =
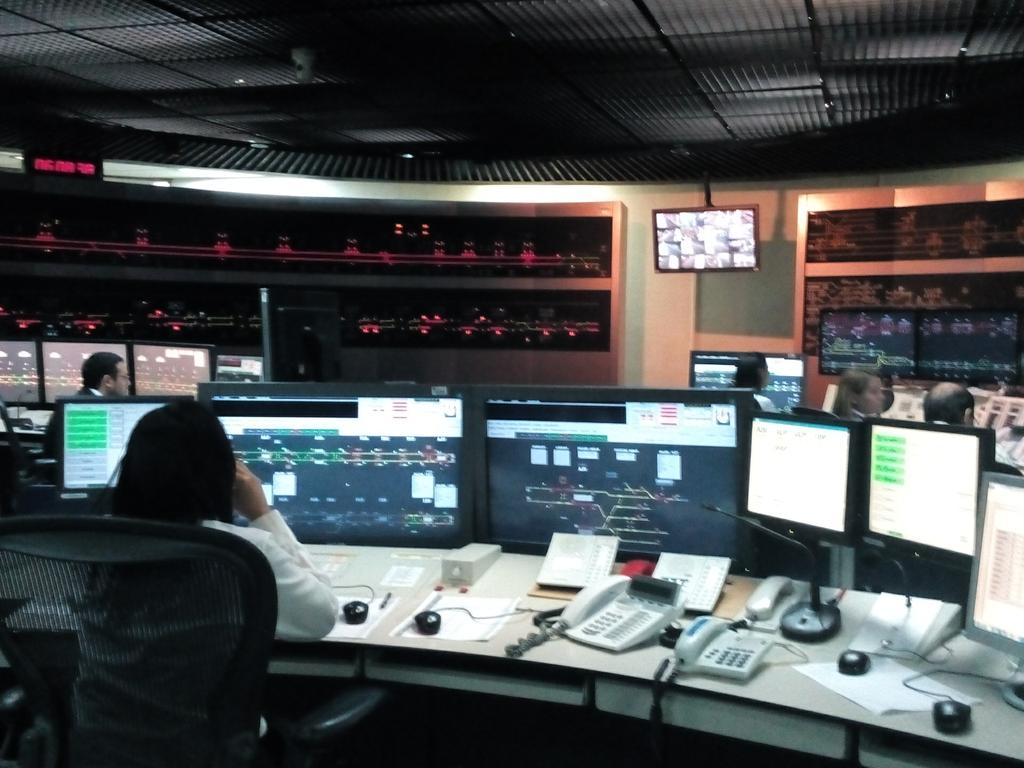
951,716
853,663
355,612
428,622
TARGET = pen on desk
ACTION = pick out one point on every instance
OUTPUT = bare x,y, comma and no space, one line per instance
384,602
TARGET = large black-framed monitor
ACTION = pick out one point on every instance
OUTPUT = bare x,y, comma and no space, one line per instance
19,371
93,437
170,369
62,364
639,464
882,340
355,464
805,474
706,239
995,603
717,370
970,345
300,334
922,485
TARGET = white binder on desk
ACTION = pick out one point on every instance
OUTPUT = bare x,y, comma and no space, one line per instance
920,628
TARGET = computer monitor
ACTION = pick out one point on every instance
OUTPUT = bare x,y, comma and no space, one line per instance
717,370
358,465
301,334
19,372
239,368
705,239
881,340
637,464
995,604
923,484
158,369
968,345
804,472
94,435
62,364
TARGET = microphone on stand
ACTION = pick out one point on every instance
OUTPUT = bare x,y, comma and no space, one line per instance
811,621
875,559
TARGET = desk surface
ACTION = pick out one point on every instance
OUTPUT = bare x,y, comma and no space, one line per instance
622,681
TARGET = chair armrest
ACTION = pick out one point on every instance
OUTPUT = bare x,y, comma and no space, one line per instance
337,717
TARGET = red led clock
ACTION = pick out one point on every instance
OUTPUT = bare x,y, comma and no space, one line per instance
61,165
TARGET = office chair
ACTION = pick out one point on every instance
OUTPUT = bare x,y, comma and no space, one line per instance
138,643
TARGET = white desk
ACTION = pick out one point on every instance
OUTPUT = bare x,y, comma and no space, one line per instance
778,707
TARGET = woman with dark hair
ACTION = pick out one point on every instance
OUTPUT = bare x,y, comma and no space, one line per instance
752,373
179,468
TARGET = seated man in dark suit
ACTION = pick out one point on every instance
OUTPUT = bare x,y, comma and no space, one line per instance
949,403
104,374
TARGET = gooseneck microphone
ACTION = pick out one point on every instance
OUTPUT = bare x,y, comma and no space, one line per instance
811,621
875,559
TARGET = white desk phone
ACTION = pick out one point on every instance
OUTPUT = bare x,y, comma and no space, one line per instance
619,612
709,646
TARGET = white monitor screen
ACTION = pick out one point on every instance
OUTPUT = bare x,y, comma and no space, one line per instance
62,364
999,583
161,370
19,372
95,437
239,368
799,472
923,486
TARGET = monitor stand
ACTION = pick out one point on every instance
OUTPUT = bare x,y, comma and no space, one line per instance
1013,689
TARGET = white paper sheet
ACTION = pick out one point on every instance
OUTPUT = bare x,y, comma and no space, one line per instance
402,576
456,624
881,690
343,631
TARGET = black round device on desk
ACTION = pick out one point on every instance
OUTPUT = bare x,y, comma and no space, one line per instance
355,612
853,663
428,622
951,716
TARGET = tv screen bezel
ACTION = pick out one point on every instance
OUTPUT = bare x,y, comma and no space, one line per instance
701,209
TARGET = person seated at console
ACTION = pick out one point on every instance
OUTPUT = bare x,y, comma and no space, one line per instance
104,374
179,468
752,373
860,395
949,403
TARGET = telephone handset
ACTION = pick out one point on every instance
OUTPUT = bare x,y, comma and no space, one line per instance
620,612
709,645
762,603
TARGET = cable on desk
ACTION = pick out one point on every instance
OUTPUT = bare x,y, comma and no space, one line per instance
795,651
930,672
889,653
549,628
468,612
659,684
373,594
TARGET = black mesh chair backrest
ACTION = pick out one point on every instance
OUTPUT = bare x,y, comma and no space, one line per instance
137,643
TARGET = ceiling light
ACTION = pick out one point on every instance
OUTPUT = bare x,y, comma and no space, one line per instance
239,81
963,49
407,155
161,183
259,145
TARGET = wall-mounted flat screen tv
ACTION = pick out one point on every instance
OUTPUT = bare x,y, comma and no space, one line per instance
705,239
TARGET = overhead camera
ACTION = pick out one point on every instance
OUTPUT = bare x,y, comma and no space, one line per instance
304,60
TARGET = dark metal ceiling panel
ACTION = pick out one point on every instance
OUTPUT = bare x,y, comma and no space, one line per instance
773,126
771,103
279,33
58,48
190,126
646,83
668,130
883,89
744,48
75,14
757,77
887,13
535,20
169,42
704,17
907,46
38,81
394,135
12,24
138,76
599,55
645,106
111,105
247,71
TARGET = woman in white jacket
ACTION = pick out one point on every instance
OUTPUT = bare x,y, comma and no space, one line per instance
179,468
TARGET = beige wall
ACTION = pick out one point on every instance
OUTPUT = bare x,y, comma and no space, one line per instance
665,315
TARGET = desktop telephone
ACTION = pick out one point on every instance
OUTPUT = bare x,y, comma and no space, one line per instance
619,612
573,560
710,646
700,578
